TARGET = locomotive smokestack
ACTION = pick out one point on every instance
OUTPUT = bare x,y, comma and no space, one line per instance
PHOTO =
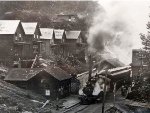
90,67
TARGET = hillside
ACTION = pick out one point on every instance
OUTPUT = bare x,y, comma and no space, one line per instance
16,100
45,12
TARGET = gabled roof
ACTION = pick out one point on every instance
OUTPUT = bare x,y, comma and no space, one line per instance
46,33
29,27
58,33
115,62
8,26
25,74
58,73
21,74
72,34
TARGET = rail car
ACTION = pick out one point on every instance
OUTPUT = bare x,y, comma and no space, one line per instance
93,91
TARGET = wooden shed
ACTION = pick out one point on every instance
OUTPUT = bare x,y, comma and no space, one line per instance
50,82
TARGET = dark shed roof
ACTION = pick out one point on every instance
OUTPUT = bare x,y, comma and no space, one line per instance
21,74
25,74
58,73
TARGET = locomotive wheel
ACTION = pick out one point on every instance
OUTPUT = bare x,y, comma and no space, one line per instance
84,101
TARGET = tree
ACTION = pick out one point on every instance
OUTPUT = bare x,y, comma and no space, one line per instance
146,47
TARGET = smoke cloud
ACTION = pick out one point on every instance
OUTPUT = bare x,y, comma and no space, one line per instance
115,31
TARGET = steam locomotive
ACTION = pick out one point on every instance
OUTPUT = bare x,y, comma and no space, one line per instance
93,91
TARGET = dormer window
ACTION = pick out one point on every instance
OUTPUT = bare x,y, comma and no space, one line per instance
18,37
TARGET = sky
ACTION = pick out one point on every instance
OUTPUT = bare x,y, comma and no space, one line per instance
117,30
134,12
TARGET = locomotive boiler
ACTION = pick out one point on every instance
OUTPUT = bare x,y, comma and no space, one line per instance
93,91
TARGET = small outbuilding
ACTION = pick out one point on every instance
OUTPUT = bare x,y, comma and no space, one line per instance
51,82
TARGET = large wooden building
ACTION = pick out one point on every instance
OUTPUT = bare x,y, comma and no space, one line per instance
68,44
32,36
24,40
74,44
12,41
51,82
47,38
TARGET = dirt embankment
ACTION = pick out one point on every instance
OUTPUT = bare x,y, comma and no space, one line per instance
16,100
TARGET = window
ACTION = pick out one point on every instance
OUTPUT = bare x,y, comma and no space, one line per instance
35,46
16,54
43,47
47,92
69,19
35,49
16,38
37,36
51,41
19,35
34,36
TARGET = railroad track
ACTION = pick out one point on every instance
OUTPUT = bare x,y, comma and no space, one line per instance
75,108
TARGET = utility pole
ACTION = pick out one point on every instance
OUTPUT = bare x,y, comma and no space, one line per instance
104,96
90,67
115,93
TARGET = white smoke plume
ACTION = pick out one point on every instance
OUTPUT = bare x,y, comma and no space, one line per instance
116,29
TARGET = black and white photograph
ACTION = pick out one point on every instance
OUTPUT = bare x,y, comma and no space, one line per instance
75,56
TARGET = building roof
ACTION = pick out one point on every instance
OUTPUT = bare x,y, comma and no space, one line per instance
25,74
8,26
21,74
115,62
58,33
108,63
29,27
72,34
58,73
113,70
46,33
